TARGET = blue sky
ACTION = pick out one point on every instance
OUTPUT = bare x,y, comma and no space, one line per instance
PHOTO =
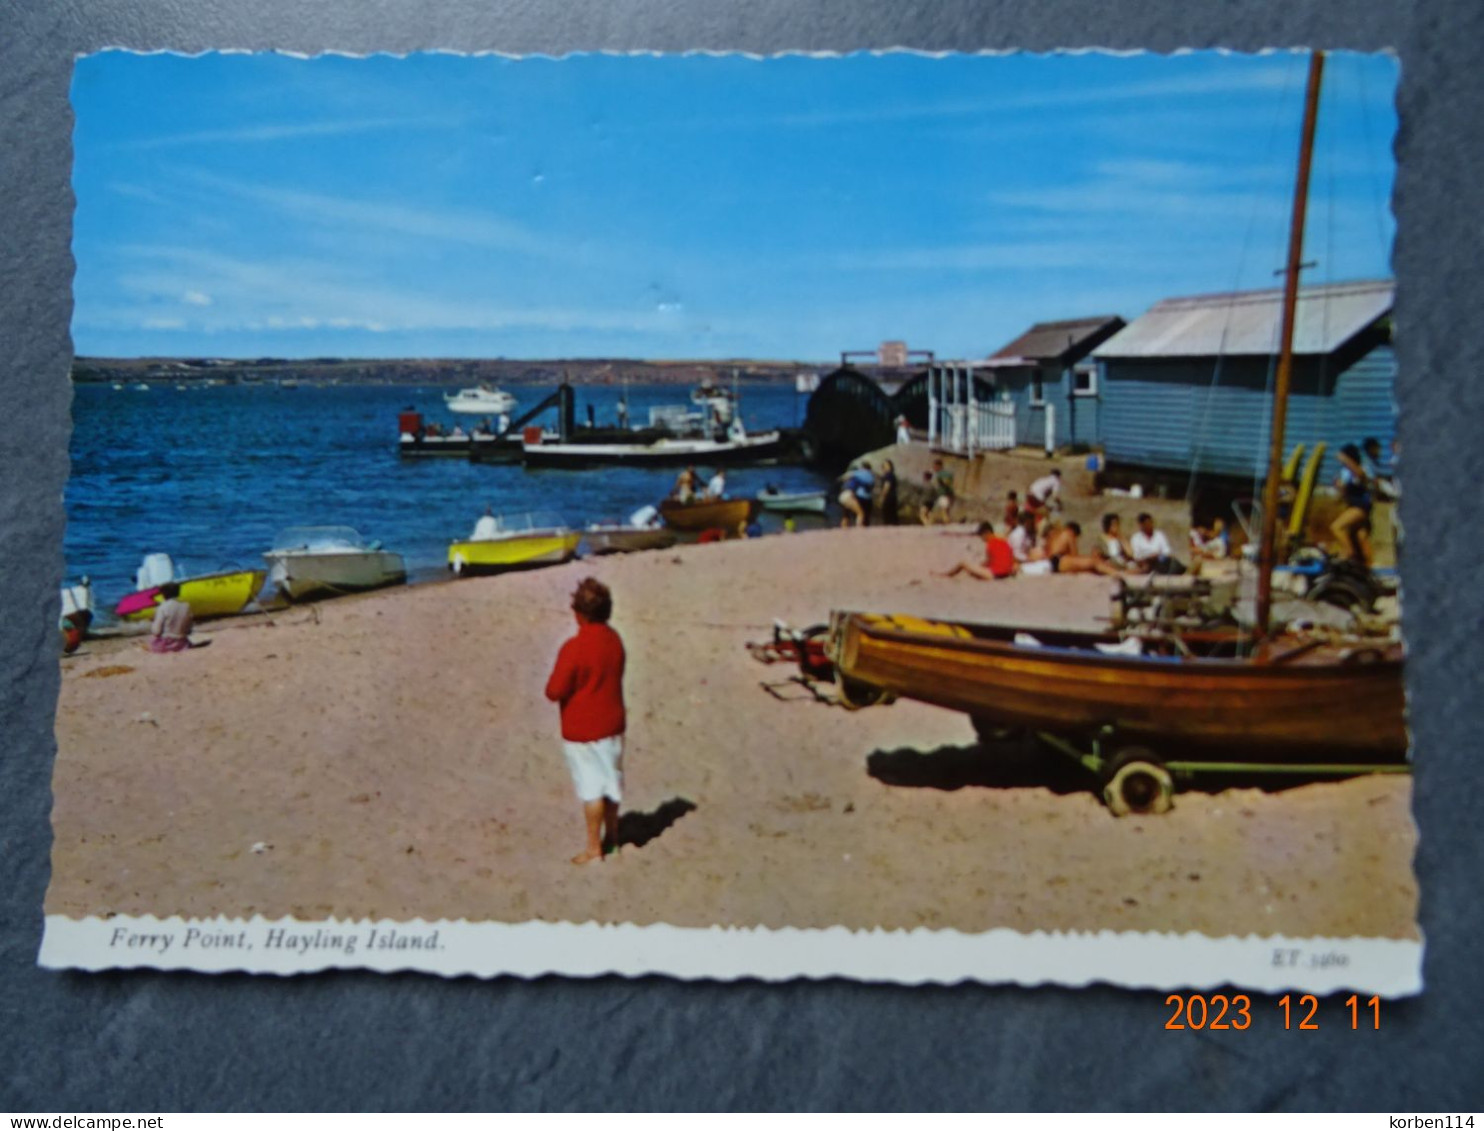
695,206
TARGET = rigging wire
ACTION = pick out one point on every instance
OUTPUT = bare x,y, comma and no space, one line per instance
1198,446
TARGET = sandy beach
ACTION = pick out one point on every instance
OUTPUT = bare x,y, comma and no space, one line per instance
393,757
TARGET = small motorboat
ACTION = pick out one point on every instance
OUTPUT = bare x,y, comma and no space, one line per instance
645,530
319,561
209,595
509,542
792,502
730,515
77,613
480,401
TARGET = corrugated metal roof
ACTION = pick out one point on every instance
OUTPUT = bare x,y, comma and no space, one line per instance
1248,322
1053,341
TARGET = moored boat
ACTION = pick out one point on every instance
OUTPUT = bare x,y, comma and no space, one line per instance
710,514
792,502
309,561
1285,707
77,613
643,531
737,446
209,595
480,400
509,542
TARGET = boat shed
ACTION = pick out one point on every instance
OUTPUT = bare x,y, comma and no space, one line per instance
1186,387
1049,377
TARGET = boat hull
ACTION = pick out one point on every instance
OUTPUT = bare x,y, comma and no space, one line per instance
299,575
214,595
1315,708
522,551
662,453
723,514
808,503
626,539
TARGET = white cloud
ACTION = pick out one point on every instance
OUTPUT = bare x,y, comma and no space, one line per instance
284,131
163,323
196,298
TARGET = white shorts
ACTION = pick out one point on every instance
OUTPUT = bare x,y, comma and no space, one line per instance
597,768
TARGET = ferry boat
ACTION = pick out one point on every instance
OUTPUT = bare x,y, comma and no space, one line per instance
736,445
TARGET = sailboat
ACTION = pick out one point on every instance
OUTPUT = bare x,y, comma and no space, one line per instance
1139,711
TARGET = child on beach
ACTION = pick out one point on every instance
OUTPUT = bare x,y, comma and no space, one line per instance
999,558
170,631
587,683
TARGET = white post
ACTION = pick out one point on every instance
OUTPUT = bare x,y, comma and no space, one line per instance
932,408
973,409
1050,428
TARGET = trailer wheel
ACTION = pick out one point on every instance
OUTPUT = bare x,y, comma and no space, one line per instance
1136,782
855,695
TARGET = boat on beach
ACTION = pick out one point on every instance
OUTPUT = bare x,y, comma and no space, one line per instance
510,542
792,502
209,595
481,400
709,514
643,531
77,613
1152,701
315,561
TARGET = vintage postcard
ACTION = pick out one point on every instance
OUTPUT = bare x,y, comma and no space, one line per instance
887,516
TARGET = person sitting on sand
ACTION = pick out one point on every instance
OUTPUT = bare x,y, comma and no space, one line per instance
1209,543
1114,549
1062,553
716,489
940,487
1045,492
170,631
587,683
1151,550
999,558
1022,538
855,495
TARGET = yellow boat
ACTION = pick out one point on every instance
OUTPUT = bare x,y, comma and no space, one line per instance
211,595
509,542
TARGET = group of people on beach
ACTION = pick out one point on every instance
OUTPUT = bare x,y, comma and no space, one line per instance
1036,543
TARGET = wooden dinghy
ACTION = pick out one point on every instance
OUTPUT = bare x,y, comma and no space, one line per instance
1308,702
724,514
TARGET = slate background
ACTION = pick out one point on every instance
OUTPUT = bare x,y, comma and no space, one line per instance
145,1042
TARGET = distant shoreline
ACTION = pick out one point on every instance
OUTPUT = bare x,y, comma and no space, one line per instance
437,371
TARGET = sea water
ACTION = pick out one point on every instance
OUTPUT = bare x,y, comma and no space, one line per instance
210,474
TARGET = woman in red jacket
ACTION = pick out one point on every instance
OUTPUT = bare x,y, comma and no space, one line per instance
587,682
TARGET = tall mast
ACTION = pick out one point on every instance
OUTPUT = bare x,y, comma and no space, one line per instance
1267,551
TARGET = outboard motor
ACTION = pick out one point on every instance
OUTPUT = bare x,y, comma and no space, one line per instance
155,570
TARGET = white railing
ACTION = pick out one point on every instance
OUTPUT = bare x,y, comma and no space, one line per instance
958,422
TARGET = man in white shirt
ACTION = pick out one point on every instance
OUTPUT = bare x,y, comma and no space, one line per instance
1151,549
717,488
1044,492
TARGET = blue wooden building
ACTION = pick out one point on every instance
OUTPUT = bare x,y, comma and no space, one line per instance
1186,387
1048,371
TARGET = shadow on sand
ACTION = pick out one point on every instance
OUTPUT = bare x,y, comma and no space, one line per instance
1012,764
638,829
1024,763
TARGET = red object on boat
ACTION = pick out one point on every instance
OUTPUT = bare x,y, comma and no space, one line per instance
531,434
410,422
715,534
